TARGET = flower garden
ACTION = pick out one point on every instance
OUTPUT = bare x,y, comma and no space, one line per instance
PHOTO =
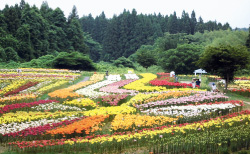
51,110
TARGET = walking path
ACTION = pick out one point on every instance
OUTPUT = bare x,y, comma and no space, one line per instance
85,79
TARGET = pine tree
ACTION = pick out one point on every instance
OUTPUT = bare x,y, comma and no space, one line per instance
173,25
101,24
45,10
73,14
22,4
185,26
193,22
24,49
12,18
75,36
248,40
38,28
111,41
200,26
75,33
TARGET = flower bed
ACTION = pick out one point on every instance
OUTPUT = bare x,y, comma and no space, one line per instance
102,116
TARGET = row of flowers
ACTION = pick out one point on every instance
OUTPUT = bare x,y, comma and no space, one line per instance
158,82
142,98
14,85
84,102
21,88
113,77
69,92
111,100
22,116
193,99
90,90
84,126
146,135
194,110
115,87
36,76
37,132
135,122
34,88
8,108
40,70
55,107
131,76
140,85
18,98
52,86
14,127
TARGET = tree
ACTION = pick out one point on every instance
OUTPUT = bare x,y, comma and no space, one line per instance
38,28
75,36
168,41
182,59
173,25
200,26
11,54
224,60
3,56
145,57
95,48
248,40
185,26
73,14
12,18
24,49
22,4
193,22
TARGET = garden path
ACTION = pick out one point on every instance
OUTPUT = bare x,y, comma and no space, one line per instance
85,79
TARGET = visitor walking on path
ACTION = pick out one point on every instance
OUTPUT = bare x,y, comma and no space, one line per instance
198,83
193,83
214,89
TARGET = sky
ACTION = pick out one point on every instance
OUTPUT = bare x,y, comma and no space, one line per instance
235,12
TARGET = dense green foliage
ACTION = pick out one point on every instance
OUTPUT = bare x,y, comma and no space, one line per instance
145,57
181,59
122,35
28,32
41,37
248,40
179,52
225,60
73,61
123,62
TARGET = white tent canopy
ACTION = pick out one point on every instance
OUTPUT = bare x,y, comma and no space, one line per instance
199,71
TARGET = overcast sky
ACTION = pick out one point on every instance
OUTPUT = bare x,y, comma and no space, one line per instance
235,12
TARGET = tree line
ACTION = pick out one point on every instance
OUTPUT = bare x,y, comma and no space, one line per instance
122,35
44,36
28,32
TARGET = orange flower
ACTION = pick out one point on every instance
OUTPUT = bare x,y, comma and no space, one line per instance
89,124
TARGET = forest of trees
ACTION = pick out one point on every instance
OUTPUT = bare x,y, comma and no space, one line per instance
28,32
122,35
42,37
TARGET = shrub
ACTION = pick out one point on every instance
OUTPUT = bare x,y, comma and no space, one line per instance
123,62
73,60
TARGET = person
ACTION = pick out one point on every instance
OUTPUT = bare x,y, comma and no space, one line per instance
107,73
198,82
176,78
193,83
214,87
